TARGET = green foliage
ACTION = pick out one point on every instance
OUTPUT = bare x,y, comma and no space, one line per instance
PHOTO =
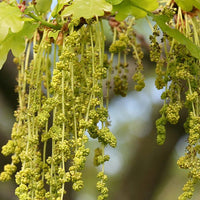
15,30
130,7
59,6
188,5
43,6
114,2
16,41
87,9
10,17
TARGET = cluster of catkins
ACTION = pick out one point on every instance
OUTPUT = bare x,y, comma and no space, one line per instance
61,102
125,42
178,74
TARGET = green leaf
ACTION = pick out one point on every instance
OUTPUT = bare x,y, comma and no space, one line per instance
127,7
196,3
123,10
16,41
43,6
187,5
87,9
10,18
114,2
11,2
59,6
53,34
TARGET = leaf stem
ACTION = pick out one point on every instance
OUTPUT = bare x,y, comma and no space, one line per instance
43,22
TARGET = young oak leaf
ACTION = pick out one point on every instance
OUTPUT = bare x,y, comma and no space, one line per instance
16,41
196,3
43,6
59,7
10,18
127,7
114,2
87,9
188,5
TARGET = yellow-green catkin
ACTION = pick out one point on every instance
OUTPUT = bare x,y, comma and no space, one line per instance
60,98
178,73
125,42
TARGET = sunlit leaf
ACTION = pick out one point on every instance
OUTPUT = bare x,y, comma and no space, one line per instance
10,18
59,6
16,41
127,7
43,6
87,9
114,2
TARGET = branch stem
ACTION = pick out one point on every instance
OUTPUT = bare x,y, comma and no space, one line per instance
43,22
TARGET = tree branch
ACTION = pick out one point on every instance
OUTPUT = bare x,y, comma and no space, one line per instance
45,23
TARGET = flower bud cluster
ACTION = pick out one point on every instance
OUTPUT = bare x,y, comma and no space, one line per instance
188,190
124,42
99,158
155,49
120,85
172,112
161,130
120,47
7,173
194,130
101,186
